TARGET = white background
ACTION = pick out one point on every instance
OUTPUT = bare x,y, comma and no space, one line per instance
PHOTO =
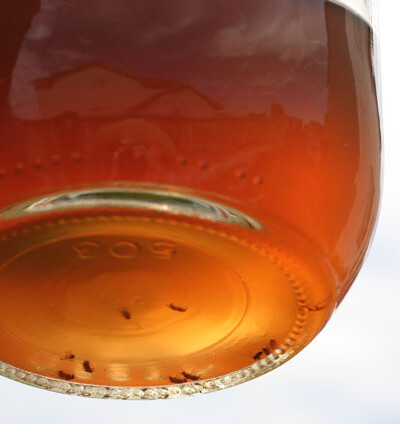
349,374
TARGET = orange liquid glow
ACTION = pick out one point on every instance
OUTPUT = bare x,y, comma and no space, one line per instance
126,293
214,103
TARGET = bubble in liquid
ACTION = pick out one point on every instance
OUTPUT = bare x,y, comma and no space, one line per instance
240,174
182,161
56,160
37,163
203,164
76,157
139,156
258,180
19,167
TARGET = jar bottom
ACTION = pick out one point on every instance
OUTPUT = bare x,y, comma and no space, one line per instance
147,293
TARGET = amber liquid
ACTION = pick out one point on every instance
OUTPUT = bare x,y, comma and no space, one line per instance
144,299
272,150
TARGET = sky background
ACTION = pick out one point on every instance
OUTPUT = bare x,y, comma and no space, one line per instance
349,374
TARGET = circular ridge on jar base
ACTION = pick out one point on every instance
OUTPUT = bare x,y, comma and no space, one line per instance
269,305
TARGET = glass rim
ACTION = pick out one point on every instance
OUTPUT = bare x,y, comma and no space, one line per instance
278,356
173,391
363,8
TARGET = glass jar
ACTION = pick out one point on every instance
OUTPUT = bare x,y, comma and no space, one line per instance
187,189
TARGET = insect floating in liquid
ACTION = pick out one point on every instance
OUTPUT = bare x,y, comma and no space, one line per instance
257,356
189,376
177,308
273,344
87,366
126,314
68,356
65,376
266,351
177,380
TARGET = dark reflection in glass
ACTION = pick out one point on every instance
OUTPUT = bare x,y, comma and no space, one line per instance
247,55
199,94
222,96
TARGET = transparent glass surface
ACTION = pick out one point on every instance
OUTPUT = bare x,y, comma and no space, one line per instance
187,189
364,8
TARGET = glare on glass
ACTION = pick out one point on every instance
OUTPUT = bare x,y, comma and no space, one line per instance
187,189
